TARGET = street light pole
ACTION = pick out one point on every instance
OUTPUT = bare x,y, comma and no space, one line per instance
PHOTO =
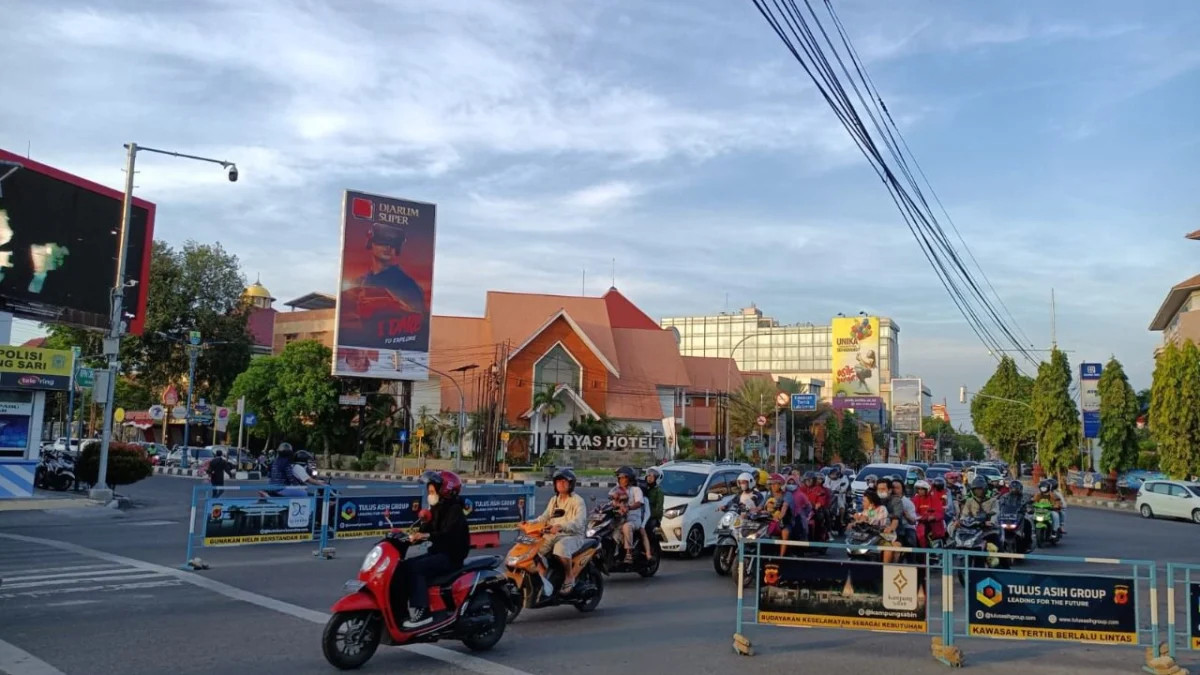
728,400
112,343
193,352
462,409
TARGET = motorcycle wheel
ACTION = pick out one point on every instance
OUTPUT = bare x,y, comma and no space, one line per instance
60,483
481,605
723,558
351,638
651,567
515,611
1041,537
593,602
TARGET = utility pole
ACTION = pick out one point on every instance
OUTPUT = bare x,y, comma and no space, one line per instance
1053,322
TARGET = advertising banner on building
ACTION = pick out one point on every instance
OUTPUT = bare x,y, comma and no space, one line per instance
1089,397
1042,606
29,368
492,512
236,521
857,403
940,412
57,248
832,594
855,356
906,405
375,516
381,327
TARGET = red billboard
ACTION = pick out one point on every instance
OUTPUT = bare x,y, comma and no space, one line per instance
59,235
385,288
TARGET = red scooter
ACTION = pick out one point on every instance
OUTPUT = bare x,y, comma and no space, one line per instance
470,605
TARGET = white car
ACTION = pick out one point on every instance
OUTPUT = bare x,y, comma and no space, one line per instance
910,473
692,491
1169,499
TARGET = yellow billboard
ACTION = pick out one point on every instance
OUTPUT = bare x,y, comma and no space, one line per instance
855,352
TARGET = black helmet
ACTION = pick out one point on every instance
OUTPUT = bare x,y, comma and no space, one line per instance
628,472
810,475
939,483
284,449
1016,487
567,475
786,470
1053,483
979,483
303,456
1045,485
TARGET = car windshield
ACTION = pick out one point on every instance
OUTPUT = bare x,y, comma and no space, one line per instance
935,472
1195,489
682,483
987,471
879,470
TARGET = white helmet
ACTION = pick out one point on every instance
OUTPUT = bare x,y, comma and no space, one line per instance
922,484
747,479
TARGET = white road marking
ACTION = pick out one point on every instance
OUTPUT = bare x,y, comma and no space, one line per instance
108,588
72,603
124,575
464,661
71,568
152,523
66,575
16,661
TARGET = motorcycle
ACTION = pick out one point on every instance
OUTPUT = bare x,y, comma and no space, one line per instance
55,471
1014,526
529,589
1043,524
469,605
974,533
859,538
738,524
604,525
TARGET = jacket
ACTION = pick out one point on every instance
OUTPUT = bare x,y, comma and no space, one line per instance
449,533
818,495
973,507
573,522
801,507
281,472
654,497
932,505
1052,497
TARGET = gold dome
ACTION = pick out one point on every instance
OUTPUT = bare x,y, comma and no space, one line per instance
257,290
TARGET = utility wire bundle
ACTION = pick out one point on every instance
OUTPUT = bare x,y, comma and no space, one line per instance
796,29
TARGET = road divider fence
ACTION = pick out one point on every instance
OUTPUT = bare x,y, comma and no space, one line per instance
1183,580
980,596
247,515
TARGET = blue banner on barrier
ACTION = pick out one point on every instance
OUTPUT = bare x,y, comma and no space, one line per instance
375,516
232,521
495,511
1040,606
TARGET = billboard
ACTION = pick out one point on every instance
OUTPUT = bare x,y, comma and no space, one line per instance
906,405
42,369
1089,397
385,288
58,247
855,352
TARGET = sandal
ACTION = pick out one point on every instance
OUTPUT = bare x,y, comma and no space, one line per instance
567,588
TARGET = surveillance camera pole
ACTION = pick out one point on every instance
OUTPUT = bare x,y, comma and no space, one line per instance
112,343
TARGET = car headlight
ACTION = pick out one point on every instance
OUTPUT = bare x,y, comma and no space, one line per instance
675,511
373,557
727,519
591,532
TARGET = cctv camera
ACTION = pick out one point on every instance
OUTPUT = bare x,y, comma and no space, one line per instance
233,173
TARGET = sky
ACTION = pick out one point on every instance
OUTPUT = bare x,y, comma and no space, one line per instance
678,139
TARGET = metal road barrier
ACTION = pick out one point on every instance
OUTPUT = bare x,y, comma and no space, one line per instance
1015,603
242,516
1189,577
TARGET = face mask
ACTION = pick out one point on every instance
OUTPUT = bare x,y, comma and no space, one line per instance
791,488
433,499
882,493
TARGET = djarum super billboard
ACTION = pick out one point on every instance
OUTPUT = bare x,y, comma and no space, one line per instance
58,247
385,288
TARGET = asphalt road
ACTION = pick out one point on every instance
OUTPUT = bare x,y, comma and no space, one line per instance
99,592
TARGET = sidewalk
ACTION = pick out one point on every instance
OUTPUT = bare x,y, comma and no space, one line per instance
369,475
45,501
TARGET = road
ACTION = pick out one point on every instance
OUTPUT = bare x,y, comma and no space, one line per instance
99,592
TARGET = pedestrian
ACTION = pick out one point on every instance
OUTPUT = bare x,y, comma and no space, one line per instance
218,466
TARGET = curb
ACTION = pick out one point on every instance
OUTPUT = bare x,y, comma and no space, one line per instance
1110,504
392,477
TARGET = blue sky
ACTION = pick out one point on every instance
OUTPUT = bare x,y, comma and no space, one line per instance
678,138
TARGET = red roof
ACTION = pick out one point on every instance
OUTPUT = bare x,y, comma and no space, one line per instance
261,326
35,343
624,314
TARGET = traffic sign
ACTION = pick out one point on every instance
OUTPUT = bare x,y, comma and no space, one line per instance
804,402
782,398
420,432
922,434
119,415
194,337
504,436
250,419
85,377
402,435
157,413
171,397
761,421
179,412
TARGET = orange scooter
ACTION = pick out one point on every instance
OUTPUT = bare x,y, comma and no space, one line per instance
530,589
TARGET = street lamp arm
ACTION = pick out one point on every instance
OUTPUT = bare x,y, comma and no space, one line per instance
997,398
223,163
462,407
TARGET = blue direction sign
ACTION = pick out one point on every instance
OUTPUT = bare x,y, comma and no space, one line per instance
803,402
402,435
250,419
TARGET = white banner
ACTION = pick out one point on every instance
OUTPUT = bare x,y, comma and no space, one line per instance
21,409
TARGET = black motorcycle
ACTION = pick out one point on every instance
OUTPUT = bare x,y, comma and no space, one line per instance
976,533
604,524
1016,528
55,471
859,538
737,525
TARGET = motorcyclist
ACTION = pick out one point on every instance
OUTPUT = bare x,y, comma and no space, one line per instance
1047,493
1062,514
838,486
801,508
654,494
938,489
779,505
635,513
449,538
903,509
289,473
748,498
820,497
1014,500
931,514
566,531
977,504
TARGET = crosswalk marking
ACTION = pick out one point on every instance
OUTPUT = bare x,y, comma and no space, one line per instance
29,572
64,575
69,568
116,575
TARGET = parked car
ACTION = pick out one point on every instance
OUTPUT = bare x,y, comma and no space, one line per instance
911,475
62,445
196,457
692,492
1169,499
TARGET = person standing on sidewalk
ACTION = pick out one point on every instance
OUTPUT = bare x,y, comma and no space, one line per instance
218,466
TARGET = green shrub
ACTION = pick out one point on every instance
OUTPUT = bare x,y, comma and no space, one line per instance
127,464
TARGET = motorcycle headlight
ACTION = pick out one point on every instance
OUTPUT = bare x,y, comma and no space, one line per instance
591,532
675,511
728,519
373,557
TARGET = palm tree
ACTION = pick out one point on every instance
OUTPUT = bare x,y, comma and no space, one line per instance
428,425
448,431
547,406
383,419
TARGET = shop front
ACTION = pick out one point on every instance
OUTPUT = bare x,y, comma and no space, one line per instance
26,374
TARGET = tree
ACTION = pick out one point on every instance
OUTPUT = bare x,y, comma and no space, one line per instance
941,432
591,426
756,397
1143,401
843,440
1055,415
305,394
1000,412
1174,419
969,447
1119,411
547,407
255,383
384,419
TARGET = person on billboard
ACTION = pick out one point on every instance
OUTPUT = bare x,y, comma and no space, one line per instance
385,242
